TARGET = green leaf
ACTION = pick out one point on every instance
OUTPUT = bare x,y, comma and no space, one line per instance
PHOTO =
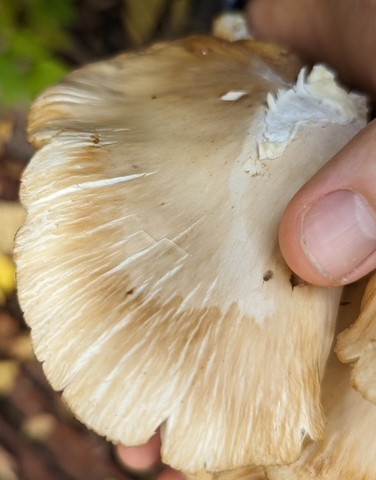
45,73
14,85
32,34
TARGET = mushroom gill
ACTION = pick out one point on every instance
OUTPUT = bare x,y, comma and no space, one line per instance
148,264
347,450
357,345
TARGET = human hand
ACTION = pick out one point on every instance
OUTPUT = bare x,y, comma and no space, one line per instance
328,231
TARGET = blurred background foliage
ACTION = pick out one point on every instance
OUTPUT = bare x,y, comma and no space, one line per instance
32,32
40,40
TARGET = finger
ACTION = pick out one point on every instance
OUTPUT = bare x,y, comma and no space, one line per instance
143,457
338,32
295,24
169,474
328,231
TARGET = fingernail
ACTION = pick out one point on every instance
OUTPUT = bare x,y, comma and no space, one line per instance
339,233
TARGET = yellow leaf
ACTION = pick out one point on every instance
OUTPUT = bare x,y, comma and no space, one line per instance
7,277
9,370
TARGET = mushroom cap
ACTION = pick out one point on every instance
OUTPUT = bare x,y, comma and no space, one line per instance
357,345
148,264
347,450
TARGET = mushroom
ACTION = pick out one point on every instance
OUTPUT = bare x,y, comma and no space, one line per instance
347,450
148,264
231,26
357,345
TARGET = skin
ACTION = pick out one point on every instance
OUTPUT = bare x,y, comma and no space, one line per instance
342,34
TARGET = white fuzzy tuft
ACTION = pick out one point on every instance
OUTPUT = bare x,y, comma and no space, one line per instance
313,99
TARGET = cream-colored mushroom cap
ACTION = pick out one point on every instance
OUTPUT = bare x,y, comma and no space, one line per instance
148,265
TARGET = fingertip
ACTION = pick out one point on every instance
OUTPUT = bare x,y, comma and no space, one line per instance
327,234
347,265
141,458
292,251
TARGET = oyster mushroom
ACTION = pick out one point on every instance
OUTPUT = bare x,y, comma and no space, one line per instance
148,264
346,451
357,345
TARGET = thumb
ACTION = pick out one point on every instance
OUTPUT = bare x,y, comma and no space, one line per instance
328,231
